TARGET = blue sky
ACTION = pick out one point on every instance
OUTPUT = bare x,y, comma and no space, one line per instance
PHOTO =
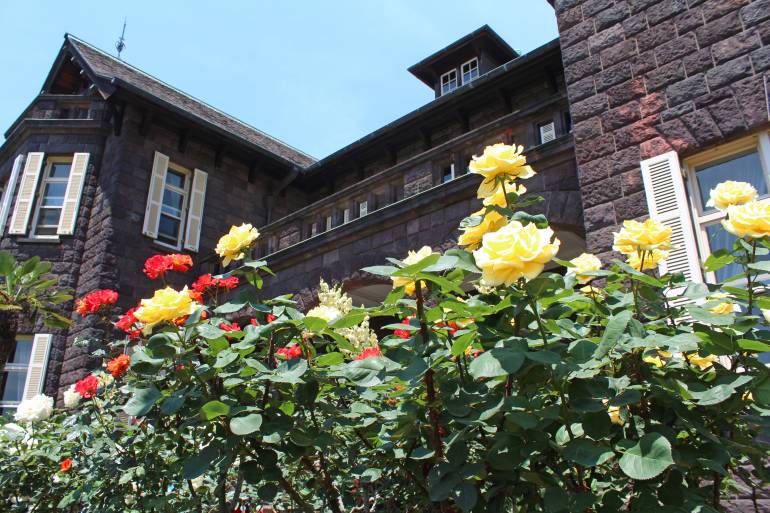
317,75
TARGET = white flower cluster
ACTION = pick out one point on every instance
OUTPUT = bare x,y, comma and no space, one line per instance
360,336
332,302
39,407
71,398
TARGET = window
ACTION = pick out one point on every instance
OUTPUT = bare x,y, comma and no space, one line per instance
174,206
14,375
50,200
363,208
346,215
547,132
470,70
449,81
329,223
448,173
747,160
312,229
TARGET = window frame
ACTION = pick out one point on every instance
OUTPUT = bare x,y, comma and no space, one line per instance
452,173
16,367
449,81
185,205
702,218
43,181
363,208
470,70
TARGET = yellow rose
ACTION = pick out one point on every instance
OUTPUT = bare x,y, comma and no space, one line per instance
723,308
411,258
327,313
654,360
591,290
647,236
731,193
747,396
614,413
471,236
651,259
515,251
165,305
499,160
704,362
751,219
766,314
498,197
233,244
584,263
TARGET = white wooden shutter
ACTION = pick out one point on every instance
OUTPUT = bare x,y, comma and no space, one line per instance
155,195
38,361
10,188
547,132
667,202
192,235
69,213
26,196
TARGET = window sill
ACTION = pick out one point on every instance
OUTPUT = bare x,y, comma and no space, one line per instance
40,240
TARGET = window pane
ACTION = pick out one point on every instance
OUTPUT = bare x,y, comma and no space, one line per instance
719,238
168,229
22,351
53,194
745,168
60,170
48,216
175,179
172,203
13,385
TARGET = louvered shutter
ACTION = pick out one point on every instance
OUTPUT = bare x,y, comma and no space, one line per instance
69,213
192,235
667,202
26,196
10,188
38,361
547,132
155,195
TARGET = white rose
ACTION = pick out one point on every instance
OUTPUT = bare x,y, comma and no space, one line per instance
40,407
766,313
71,398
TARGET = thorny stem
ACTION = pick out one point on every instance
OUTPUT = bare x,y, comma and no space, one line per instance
750,285
533,304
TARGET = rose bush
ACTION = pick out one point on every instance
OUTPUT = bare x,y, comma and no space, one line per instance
585,389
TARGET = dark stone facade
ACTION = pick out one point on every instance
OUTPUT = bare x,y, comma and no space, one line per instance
649,76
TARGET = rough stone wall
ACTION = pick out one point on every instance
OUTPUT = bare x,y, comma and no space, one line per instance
649,76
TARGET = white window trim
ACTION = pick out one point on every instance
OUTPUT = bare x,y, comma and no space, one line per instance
346,215
17,367
329,221
700,217
42,181
452,173
363,208
185,204
470,70
449,81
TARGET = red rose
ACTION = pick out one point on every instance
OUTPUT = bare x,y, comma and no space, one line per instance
65,465
228,283
271,318
157,265
290,352
93,301
203,282
127,321
254,322
229,327
403,333
87,386
179,262
368,353
118,365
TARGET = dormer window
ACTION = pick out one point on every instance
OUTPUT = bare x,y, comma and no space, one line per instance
470,70
449,81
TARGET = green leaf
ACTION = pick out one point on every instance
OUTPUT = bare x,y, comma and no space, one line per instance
246,425
544,357
225,358
171,404
648,458
315,324
498,361
197,464
352,318
586,453
718,259
381,270
466,496
414,269
214,409
707,317
7,263
615,327
143,363
329,359
763,265
422,453
753,345
461,343
142,401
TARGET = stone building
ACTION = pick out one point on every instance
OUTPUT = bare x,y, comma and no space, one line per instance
637,109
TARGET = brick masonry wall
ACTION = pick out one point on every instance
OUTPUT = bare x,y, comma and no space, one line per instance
648,76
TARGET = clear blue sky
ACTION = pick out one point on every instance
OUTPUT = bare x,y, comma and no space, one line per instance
317,75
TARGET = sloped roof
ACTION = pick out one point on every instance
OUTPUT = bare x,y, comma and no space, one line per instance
117,72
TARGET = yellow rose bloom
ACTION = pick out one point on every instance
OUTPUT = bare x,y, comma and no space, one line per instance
722,308
704,362
327,313
515,251
665,354
471,236
654,360
233,244
751,219
647,236
411,258
499,160
651,259
498,197
731,193
614,413
584,263
165,305
766,315
747,396
591,290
